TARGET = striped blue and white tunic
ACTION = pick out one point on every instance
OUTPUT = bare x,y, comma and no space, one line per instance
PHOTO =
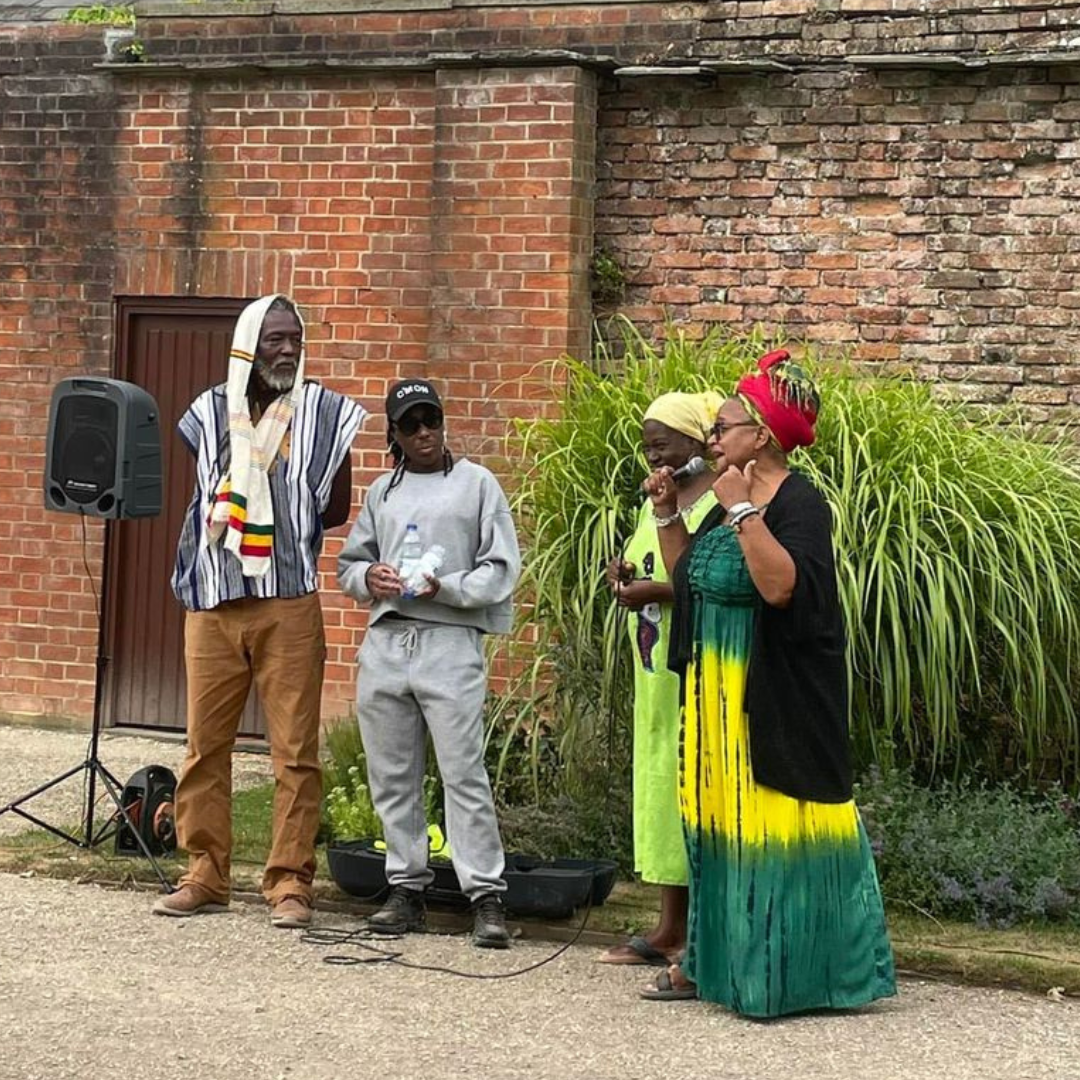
323,428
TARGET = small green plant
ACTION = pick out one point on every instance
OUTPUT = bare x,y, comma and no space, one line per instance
102,14
608,277
348,810
588,816
131,52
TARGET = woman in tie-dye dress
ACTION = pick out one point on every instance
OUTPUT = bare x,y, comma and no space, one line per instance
785,908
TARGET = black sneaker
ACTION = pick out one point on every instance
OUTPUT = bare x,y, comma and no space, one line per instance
403,911
489,925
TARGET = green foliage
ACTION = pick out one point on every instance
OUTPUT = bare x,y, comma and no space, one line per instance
607,277
592,820
132,51
958,542
576,505
972,852
348,811
342,750
103,14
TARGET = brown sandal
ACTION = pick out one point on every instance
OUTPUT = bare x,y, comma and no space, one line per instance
636,951
666,990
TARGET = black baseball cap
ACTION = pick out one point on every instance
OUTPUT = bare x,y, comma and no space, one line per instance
406,393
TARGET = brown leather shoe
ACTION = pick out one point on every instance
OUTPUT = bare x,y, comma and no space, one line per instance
187,901
291,913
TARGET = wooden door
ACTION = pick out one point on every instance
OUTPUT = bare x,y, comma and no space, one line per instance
174,349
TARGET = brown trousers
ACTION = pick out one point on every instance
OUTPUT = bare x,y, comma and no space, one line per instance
280,644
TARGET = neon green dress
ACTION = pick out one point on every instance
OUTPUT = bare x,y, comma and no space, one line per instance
659,847
785,908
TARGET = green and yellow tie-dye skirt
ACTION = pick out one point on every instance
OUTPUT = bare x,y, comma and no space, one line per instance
785,907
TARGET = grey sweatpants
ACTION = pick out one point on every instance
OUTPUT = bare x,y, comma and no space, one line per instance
414,677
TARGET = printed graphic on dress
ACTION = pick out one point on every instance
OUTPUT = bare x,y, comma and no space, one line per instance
648,627
648,634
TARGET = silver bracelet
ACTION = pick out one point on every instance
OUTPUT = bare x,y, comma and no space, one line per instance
736,509
736,522
664,522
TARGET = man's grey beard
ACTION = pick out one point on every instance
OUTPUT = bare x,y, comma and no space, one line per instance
269,378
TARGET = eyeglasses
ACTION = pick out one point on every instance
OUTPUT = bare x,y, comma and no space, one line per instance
411,422
720,427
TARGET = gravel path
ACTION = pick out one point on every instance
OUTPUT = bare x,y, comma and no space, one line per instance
30,757
92,985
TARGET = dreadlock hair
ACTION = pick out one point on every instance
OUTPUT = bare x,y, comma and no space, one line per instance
398,455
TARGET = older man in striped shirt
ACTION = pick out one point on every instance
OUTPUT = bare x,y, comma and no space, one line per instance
272,472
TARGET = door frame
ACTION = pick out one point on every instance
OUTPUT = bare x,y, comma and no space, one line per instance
125,310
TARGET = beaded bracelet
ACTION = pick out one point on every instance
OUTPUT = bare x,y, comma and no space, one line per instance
664,522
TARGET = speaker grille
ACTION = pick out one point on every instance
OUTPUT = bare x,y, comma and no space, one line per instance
84,465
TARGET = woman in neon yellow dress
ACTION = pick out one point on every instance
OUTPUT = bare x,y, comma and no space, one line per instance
675,428
785,909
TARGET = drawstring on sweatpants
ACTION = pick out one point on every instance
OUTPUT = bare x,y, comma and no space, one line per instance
408,639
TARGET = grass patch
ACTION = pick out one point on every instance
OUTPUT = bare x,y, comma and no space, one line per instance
39,852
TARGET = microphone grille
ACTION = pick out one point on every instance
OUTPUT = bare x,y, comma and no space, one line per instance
694,467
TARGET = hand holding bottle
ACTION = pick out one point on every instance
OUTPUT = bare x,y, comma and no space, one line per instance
422,581
383,581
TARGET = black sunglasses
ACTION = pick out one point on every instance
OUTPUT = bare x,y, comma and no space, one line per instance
411,422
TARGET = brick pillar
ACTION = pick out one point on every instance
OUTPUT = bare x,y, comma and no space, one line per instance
511,240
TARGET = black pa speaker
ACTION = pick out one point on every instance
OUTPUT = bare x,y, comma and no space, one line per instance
104,450
148,798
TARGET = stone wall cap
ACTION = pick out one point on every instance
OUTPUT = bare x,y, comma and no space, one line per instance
952,60
735,66
34,11
362,64
915,60
635,71
521,58
171,9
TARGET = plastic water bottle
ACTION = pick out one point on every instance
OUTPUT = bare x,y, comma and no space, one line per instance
411,552
429,564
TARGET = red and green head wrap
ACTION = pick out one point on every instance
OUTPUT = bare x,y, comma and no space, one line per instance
783,397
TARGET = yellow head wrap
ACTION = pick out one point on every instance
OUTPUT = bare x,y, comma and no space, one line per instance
691,414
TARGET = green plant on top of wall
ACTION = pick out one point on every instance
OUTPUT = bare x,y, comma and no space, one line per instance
958,540
106,14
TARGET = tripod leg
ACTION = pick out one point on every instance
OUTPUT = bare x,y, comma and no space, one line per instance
15,807
43,787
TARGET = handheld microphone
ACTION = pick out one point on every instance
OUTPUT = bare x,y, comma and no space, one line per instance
694,467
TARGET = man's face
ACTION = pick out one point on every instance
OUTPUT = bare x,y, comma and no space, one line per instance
278,352
419,433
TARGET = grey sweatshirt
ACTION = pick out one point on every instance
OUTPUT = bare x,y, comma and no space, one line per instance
467,513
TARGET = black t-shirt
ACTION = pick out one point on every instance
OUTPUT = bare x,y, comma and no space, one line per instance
796,689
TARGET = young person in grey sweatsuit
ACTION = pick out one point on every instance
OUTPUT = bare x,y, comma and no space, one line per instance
422,661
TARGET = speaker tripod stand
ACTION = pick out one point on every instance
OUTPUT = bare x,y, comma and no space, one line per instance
92,767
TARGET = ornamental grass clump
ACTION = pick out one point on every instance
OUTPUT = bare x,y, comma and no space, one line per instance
958,552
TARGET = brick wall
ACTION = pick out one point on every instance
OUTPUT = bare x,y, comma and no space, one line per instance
428,223
643,32
906,216
890,176
58,122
